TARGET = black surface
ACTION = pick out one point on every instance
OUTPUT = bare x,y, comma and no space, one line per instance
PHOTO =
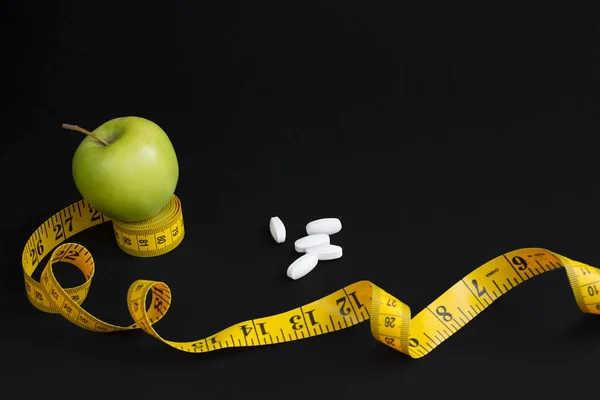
442,135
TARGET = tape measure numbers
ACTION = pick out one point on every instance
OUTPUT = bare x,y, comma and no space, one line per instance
390,319
152,237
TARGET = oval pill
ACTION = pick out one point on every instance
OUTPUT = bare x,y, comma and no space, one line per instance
302,266
326,251
277,229
309,241
328,226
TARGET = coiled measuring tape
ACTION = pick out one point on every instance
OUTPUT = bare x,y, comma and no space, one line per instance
390,319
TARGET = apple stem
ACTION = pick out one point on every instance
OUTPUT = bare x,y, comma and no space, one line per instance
79,129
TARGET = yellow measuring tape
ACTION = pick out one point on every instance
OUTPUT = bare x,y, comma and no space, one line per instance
390,319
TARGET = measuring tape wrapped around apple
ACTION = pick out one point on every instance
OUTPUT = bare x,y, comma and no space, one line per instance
144,229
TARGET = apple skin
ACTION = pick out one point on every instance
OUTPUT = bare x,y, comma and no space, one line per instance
133,177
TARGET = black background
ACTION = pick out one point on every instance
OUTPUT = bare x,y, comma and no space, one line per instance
442,134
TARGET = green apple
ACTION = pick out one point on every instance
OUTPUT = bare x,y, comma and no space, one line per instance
126,168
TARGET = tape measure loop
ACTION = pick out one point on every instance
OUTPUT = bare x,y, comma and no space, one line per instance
78,256
48,295
159,304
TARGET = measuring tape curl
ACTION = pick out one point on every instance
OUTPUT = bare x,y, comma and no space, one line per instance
390,319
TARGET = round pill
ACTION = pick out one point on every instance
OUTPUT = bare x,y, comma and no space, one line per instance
326,251
302,266
277,229
328,226
309,241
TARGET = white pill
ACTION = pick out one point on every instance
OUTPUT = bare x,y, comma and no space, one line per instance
277,229
328,226
302,266
310,241
326,251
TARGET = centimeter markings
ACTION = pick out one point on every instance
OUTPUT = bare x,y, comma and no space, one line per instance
390,319
300,323
60,227
157,236
476,292
150,244
587,281
57,229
